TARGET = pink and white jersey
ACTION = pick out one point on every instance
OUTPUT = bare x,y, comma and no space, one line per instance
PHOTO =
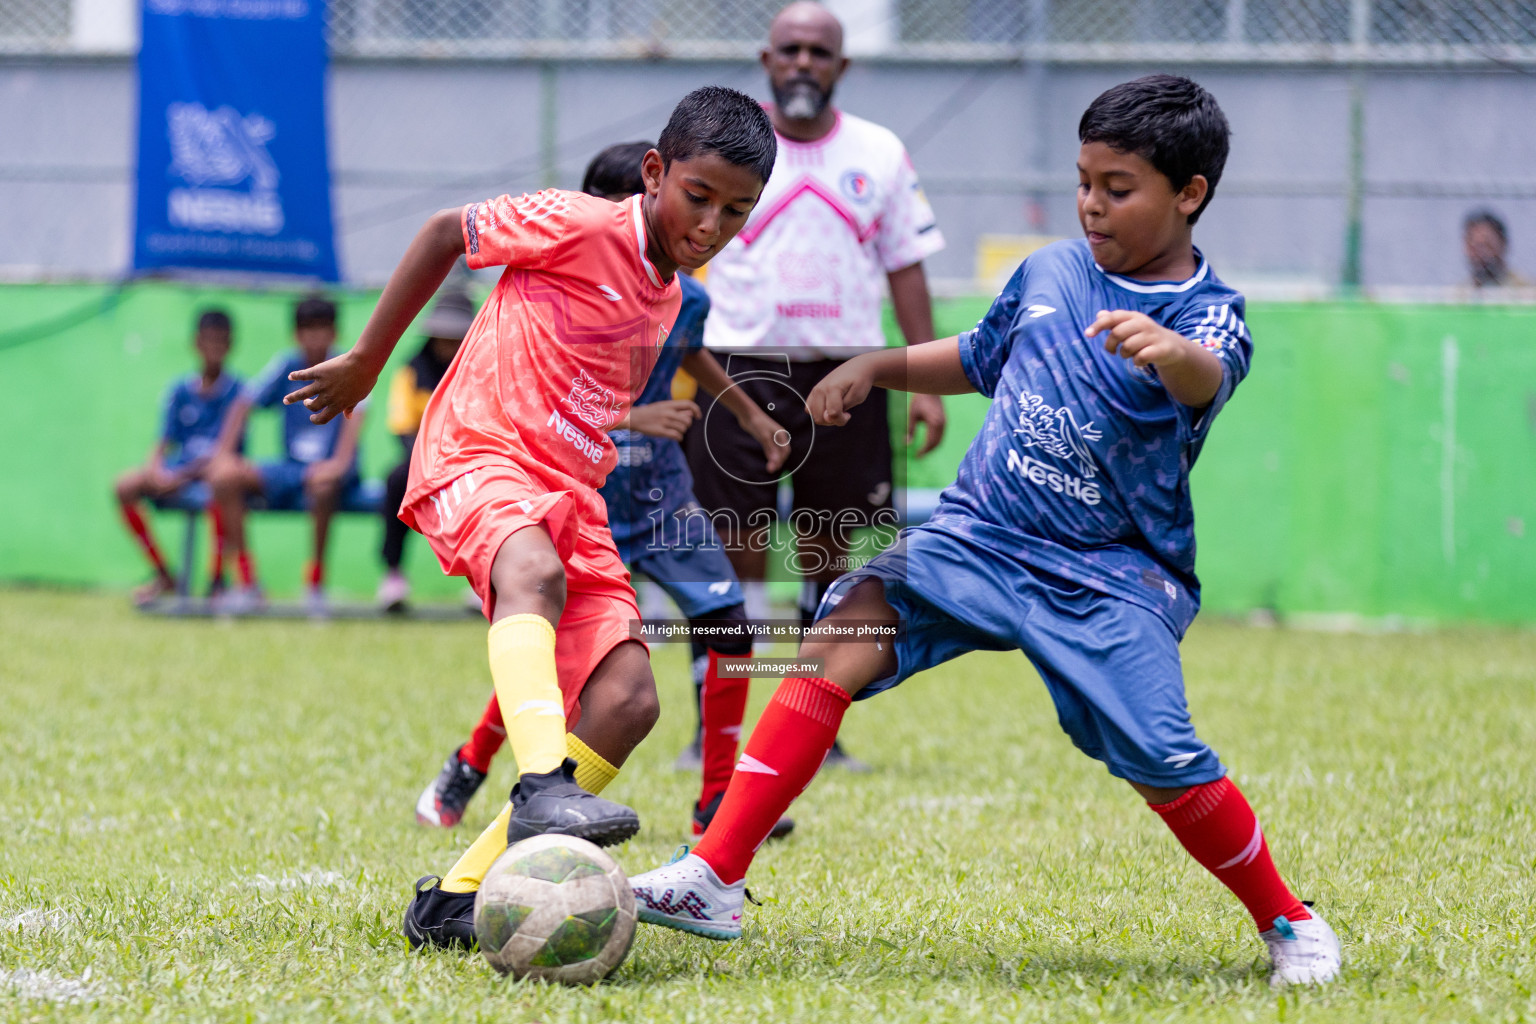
805,274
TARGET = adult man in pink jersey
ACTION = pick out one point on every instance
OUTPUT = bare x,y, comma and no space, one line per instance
798,292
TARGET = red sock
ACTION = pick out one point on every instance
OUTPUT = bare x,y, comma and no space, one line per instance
247,571
487,738
722,706
146,540
1219,829
216,518
316,573
786,750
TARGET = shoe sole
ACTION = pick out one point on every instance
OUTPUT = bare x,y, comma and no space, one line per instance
691,927
599,833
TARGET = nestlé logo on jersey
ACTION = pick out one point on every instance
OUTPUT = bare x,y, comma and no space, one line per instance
1056,432
592,404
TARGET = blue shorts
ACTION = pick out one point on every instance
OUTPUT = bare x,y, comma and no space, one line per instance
684,557
282,485
700,580
1111,666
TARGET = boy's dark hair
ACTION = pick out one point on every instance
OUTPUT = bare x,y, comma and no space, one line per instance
616,170
314,311
1167,120
214,320
715,119
1489,218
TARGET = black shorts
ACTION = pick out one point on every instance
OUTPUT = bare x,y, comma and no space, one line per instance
833,470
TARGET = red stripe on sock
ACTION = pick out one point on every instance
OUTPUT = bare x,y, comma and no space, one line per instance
487,738
1218,828
247,570
722,706
316,573
785,752
140,530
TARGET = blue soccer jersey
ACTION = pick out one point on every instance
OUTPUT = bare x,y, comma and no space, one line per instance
303,441
1081,467
651,479
192,418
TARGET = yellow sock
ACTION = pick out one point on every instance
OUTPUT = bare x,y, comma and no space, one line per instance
593,771
465,876
528,689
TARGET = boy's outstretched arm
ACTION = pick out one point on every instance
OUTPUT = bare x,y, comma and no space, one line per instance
931,369
338,384
765,430
1191,373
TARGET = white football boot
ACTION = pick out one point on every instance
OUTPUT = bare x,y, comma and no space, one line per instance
686,894
1302,952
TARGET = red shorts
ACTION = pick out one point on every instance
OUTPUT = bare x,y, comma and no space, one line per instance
466,524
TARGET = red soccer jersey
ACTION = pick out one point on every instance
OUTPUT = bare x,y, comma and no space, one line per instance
559,350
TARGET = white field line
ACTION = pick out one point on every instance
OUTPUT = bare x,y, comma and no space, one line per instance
34,920
26,983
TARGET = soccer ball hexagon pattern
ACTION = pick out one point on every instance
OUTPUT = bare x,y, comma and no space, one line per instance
555,908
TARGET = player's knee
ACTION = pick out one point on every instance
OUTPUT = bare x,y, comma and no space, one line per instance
639,707
529,573
322,492
126,487
223,475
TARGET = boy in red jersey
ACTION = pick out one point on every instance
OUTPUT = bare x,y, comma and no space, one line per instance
515,437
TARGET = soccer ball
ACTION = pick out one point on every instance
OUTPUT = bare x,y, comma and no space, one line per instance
555,908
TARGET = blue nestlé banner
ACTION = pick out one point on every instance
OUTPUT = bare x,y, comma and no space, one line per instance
232,156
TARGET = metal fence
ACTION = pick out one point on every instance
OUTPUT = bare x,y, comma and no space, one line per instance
1277,31
1310,31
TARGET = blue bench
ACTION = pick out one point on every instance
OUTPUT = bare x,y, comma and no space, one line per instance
194,499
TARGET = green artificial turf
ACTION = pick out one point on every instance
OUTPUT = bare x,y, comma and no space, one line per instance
212,821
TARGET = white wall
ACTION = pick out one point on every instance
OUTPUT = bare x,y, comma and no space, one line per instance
995,146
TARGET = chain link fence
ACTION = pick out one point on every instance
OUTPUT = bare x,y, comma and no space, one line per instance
1312,31
34,26
958,30
1355,170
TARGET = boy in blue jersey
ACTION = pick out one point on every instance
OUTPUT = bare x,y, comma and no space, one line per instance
659,530
319,461
193,414
1068,534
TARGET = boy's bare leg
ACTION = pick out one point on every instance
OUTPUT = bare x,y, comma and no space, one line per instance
619,706
230,478
528,578
618,709
1155,795
323,496
797,730
528,584
853,666
703,892
129,489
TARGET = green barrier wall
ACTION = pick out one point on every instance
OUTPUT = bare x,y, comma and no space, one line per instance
1379,461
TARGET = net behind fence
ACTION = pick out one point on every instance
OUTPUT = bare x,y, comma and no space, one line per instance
1219,30
1286,30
